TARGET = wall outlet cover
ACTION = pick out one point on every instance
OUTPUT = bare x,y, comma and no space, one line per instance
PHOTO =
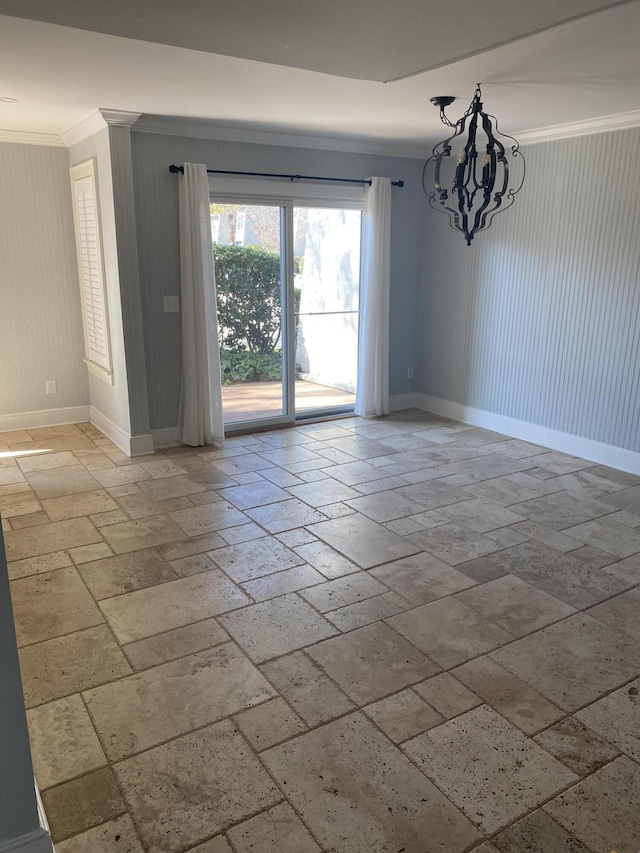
50,386
171,304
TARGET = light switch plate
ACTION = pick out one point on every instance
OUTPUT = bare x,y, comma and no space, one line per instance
171,304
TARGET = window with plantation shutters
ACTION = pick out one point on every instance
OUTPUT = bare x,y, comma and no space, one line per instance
90,268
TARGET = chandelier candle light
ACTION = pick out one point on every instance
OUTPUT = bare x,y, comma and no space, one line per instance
478,191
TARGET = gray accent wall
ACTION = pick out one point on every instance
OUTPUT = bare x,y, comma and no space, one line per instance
40,317
156,198
539,319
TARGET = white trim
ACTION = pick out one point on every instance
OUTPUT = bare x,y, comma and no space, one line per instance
120,118
27,137
113,432
165,437
203,129
131,445
43,418
575,445
87,126
141,445
38,841
602,124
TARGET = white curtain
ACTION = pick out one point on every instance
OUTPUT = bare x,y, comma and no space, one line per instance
372,397
200,418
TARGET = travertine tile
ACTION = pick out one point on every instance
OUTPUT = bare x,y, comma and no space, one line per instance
573,662
103,519
449,631
342,591
289,580
160,468
433,494
46,538
70,664
314,696
187,566
52,604
124,475
257,494
602,810
454,543
90,553
128,572
253,559
403,715
268,724
325,491
371,662
325,559
62,481
514,605
363,541
115,836
616,717
364,612
447,695
609,536
421,578
552,538
189,547
205,519
285,515
561,463
275,627
577,746
175,487
627,570
537,831
562,510
170,605
12,476
480,514
74,506
512,698
559,575
63,741
143,533
487,767
241,464
358,793
175,644
628,499
385,506
39,565
155,705
279,830
80,804
621,613
242,533
24,503
353,473
199,783
219,844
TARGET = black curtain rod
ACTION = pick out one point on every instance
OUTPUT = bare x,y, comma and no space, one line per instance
175,169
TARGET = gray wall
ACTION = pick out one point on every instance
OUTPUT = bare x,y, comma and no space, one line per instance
539,319
40,319
156,193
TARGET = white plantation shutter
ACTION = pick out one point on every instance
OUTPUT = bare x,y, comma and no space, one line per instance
90,268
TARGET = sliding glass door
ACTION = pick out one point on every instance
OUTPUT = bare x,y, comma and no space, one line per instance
288,279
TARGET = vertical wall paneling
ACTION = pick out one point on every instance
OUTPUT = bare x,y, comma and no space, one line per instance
40,316
539,319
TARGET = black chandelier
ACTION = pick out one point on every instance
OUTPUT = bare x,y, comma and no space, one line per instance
478,192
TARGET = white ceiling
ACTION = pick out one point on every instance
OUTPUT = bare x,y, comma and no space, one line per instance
578,70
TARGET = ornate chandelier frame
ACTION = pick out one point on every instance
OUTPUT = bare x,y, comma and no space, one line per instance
478,194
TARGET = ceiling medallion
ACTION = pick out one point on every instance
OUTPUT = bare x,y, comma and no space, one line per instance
478,190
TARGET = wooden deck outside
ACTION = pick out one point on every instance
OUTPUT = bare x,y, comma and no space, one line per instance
247,401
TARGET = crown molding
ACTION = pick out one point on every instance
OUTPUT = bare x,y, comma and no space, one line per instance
603,124
87,126
175,126
26,137
119,118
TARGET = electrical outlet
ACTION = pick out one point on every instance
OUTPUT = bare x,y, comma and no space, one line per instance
171,304
409,372
50,386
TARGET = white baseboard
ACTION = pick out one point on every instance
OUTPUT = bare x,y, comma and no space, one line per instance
575,445
38,841
132,445
44,418
164,437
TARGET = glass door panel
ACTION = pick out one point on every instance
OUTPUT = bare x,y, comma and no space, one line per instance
248,254
327,288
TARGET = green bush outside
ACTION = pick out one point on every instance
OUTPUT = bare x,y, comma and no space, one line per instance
249,313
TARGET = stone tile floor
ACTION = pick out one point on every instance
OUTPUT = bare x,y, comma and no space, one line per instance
359,637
